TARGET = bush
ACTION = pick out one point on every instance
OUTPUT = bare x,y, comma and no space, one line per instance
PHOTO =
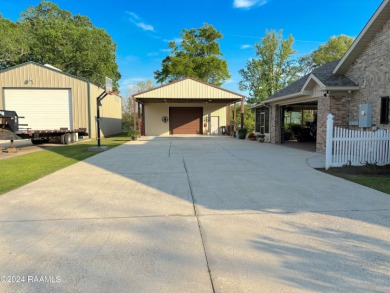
135,133
294,127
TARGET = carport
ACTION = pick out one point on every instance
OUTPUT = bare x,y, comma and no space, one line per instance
319,93
186,106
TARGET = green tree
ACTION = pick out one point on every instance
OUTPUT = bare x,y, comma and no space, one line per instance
332,50
69,42
271,70
127,110
249,117
13,46
198,56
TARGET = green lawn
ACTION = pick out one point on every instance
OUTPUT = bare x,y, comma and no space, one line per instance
370,175
20,170
381,183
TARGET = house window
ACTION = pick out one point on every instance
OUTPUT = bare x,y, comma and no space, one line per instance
262,120
384,110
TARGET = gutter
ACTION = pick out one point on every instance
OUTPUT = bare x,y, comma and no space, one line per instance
278,99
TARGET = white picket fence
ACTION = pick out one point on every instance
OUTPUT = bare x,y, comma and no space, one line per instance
356,147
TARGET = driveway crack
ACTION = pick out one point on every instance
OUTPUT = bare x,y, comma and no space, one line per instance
199,227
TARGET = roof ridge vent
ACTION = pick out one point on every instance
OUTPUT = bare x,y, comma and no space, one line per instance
52,67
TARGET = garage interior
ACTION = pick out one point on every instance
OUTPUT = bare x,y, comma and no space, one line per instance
299,125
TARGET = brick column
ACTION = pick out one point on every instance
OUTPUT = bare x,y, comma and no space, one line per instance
323,109
275,130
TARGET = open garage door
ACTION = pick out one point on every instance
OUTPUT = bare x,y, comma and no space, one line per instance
42,108
185,120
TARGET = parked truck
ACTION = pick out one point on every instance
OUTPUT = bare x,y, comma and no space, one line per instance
11,129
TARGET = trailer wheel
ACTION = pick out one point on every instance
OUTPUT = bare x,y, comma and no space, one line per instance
62,139
68,138
74,137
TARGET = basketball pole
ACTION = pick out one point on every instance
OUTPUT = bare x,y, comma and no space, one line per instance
99,104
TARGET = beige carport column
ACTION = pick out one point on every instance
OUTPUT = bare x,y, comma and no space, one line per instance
139,116
228,130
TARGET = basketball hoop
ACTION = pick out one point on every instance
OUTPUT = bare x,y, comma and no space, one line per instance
113,93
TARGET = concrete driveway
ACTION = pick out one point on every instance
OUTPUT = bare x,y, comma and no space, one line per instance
195,214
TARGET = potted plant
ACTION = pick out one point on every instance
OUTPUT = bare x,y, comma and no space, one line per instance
261,137
242,133
134,134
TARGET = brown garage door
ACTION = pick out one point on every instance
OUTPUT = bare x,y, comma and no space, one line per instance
185,120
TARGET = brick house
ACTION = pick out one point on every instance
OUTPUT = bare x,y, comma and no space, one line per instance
355,89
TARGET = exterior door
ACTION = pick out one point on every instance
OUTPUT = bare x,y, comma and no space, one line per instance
214,127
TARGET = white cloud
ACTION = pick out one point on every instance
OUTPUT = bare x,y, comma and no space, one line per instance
165,50
245,46
176,40
132,14
127,84
248,3
144,26
136,20
152,54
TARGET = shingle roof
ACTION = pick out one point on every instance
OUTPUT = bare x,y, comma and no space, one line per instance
293,88
323,74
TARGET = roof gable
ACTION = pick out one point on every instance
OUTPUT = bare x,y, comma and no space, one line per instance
51,68
188,88
374,25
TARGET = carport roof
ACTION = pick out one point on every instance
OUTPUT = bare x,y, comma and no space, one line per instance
188,90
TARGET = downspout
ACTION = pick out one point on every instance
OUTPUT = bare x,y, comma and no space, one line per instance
89,109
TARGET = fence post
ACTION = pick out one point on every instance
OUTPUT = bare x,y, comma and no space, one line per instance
329,141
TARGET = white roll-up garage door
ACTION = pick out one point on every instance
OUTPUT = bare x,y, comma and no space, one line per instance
42,108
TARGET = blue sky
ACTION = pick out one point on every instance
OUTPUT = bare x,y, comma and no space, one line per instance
142,29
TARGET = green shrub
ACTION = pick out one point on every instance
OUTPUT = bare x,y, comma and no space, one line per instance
135,133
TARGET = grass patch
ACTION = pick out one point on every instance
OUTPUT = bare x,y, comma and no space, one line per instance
372,176
20,170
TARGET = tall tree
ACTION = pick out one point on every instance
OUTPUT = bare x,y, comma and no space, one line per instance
13,45
333,49
69,42
249,117
198,56
271,70
127,111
